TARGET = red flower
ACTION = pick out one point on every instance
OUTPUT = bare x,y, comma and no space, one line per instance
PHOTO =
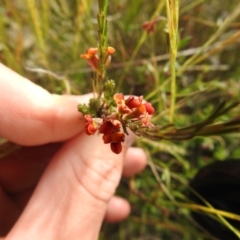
90,126
109,126
133,109
149,108
118,137
116,147
115,137
130,112
111,130
106,127
150,26
133,102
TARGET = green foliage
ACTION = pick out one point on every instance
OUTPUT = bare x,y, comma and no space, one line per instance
42,40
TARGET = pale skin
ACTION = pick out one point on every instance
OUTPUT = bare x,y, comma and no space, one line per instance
61,184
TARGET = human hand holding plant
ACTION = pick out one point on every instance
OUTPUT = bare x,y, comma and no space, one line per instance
69,185
71,210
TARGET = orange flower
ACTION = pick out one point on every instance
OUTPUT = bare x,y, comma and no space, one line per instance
110,50
91,57
133,107
122,107
119,98
90,126
137,112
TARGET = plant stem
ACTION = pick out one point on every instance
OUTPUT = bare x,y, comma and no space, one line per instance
102,45
172,7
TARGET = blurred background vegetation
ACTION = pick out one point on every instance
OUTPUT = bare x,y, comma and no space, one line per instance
42,40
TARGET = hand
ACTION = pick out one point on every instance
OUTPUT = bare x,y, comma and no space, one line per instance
60,183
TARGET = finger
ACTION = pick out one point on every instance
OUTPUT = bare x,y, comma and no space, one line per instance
135,162
29,115
118,209
73,192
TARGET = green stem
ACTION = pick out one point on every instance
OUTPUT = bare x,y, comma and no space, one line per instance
172,7
102,45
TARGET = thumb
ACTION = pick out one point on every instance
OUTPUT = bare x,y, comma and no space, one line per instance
72,196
